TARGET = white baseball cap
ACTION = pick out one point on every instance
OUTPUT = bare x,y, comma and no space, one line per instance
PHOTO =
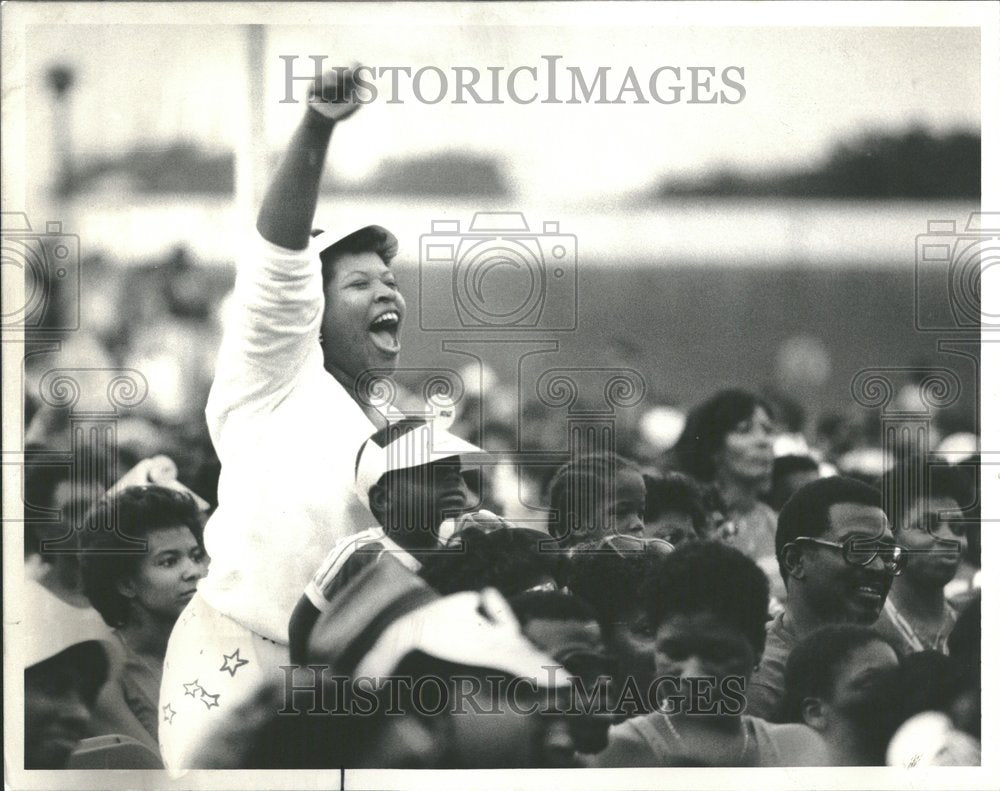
473,628
403,445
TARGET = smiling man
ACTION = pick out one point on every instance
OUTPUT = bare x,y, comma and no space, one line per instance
838,559
311,314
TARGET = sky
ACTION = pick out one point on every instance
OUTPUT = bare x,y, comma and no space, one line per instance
804,89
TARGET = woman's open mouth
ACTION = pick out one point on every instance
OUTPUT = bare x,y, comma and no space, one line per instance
384,332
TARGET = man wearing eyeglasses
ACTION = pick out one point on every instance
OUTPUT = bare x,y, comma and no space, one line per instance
838,558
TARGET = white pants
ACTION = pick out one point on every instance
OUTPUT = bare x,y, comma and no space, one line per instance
213,665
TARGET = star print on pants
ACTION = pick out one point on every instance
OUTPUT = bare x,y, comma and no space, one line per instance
193,689
168,714
209,700
232,662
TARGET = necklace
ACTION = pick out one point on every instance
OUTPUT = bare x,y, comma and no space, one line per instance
743,726
916,640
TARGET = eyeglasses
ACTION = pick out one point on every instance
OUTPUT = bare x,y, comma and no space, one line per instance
863,551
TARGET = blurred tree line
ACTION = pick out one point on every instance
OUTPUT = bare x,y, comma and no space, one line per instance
914,164
187,169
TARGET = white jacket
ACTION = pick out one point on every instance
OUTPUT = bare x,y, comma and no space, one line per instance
287,435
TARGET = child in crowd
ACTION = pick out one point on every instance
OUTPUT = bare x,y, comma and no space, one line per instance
409,476
594,496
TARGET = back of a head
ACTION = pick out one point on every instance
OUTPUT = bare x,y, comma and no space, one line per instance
807,512
931,680
711,577
813,664
510,559
611,583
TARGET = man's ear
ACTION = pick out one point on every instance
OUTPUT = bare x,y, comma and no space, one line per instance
378,500
815,714
791,560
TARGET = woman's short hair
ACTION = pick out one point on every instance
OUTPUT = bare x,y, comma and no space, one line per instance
370,239
706,429
109,554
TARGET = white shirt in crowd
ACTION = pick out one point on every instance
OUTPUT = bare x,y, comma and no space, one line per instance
287,434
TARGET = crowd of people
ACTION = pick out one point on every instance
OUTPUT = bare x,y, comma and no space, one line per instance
346,589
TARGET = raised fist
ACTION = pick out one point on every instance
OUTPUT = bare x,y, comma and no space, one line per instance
336,98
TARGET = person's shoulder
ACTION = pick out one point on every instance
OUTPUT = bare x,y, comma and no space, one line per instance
790,744
765,514
630,743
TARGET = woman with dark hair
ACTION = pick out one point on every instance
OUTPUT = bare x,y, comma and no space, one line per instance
728,445
140,592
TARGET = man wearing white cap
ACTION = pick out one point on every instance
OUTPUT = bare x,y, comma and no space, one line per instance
310,316
409,476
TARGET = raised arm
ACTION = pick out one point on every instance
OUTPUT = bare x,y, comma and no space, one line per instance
286,215
273,325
